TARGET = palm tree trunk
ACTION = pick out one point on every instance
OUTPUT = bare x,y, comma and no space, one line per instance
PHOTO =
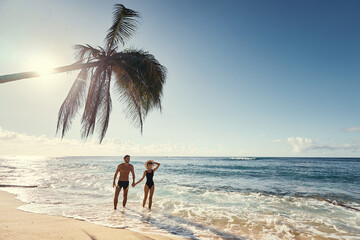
67,68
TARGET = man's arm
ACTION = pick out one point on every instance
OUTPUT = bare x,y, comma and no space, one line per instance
117,170
133,175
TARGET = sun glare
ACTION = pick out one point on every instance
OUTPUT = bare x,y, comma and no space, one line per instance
43,65
45,71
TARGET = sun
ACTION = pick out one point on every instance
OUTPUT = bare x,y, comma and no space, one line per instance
42,65
43,71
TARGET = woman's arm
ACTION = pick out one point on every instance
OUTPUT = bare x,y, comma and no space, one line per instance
158,165
141,178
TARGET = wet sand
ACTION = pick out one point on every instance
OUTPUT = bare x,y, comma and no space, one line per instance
16,224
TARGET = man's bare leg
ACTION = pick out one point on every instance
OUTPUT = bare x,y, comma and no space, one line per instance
117,191
125,197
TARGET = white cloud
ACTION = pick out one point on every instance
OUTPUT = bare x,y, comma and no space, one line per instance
13,143
300,145
352,129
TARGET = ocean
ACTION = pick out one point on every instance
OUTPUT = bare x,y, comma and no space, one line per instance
198,197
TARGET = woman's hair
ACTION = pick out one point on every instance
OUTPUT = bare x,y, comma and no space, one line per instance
147,163
126,156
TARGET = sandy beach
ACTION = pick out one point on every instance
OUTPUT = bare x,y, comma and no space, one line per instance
17,224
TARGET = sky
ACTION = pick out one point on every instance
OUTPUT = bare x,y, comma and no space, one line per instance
245,78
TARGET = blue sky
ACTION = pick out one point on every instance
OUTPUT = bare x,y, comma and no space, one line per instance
245,78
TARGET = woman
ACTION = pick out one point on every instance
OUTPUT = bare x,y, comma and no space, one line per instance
149,185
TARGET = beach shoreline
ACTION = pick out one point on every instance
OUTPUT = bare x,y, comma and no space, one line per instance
16,224
195,202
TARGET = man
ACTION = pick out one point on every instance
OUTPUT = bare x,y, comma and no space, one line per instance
124,169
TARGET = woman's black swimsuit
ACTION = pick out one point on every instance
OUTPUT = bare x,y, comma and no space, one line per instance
149,179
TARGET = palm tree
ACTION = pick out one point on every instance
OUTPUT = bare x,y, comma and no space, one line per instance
138,79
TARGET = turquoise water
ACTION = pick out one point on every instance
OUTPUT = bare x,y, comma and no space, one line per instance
199,197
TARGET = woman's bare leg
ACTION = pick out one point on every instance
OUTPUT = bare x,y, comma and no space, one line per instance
151,195
146,191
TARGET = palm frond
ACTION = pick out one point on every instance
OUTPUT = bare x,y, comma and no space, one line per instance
98,103
105,106
139,81
86,52
129,95
72,103
92,103
124,26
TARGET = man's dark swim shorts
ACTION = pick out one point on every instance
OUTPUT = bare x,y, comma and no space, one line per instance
123,184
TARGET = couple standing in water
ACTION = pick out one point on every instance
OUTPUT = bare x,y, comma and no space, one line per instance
124,169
